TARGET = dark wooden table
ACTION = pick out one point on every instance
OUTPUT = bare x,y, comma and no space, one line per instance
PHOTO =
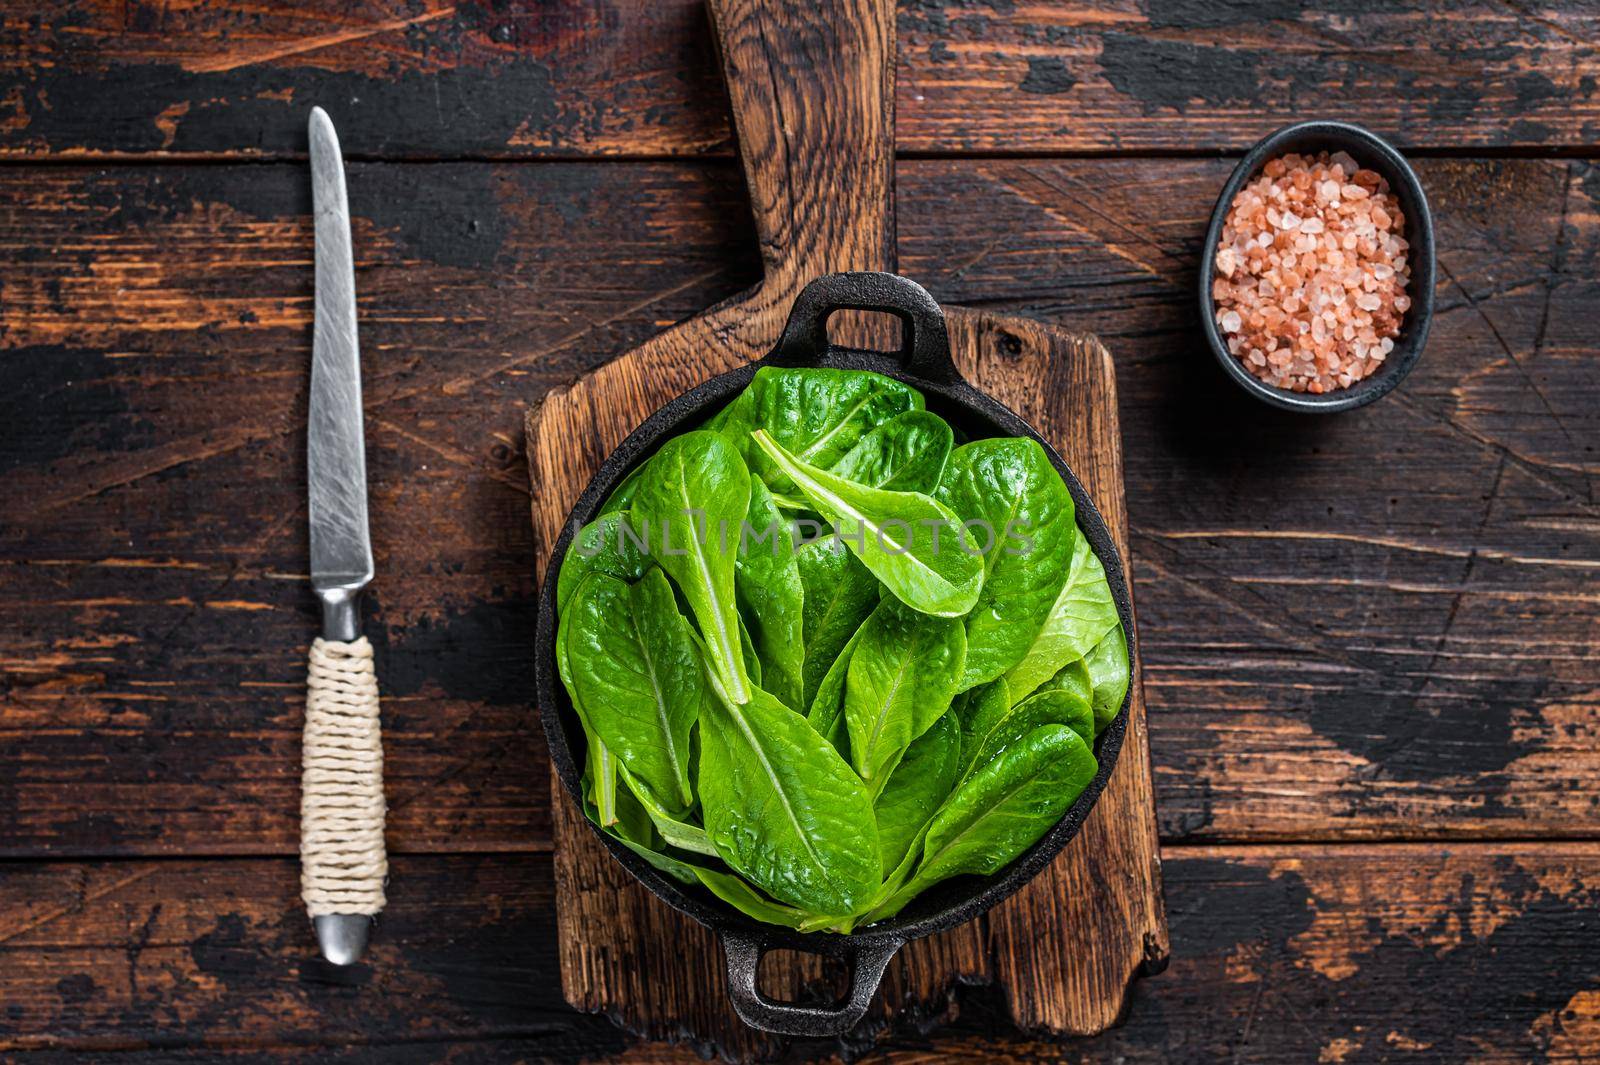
1371,642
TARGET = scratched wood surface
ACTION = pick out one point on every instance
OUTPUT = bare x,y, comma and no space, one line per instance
1065,951
1358,632
425,78
817,151
1288,954
1379,626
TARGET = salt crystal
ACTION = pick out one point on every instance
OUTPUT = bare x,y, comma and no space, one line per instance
1312,273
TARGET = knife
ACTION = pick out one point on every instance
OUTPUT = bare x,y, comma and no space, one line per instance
343,864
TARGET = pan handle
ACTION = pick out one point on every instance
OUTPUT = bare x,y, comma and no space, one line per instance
867,964
925,343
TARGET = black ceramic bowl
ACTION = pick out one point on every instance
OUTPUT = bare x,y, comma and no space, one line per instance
1374,153
924,363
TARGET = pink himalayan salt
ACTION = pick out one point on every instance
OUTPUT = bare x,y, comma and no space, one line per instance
1312,273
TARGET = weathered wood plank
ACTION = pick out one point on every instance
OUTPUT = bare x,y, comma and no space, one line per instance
1374,625
811,93
1369,625
1066,954
1351,954
156,333
637,77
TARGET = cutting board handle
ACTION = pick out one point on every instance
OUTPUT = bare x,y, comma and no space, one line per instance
812,88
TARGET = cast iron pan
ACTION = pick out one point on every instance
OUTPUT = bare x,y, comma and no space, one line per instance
925,363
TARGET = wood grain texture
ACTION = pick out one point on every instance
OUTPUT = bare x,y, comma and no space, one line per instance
153,525
636,77
1065,949
812,94
1304,677
1375,627
622,952
1354,954
1399,617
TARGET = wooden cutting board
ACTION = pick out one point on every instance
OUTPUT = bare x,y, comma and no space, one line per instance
811,87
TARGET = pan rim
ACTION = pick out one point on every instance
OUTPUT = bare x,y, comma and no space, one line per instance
963,897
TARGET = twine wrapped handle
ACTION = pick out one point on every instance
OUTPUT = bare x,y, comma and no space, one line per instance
343,863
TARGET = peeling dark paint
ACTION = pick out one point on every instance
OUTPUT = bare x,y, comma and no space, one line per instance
135,205
1457,105
1213,14
446,213
1484,1011
1529,131
1458,731
76,989
220,952
451,217
262,110
1174,74
470,965
450,652
1533,89
1047,76
57,401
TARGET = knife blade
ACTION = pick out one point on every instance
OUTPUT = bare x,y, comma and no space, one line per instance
341,549
342,856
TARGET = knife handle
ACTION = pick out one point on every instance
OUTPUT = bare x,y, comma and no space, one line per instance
343,863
